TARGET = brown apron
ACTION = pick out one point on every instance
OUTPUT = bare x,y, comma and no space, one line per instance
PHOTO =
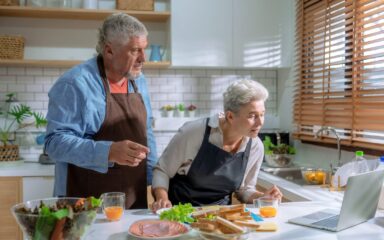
125,119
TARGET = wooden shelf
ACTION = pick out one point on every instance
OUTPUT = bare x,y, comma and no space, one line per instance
77,13
67,63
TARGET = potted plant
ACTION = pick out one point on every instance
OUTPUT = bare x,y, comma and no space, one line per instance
181,109
168,110
191,110
15,114
280,155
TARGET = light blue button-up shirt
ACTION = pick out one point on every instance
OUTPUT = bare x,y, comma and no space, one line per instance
76,111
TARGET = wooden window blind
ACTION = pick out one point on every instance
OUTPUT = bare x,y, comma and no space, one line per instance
340,71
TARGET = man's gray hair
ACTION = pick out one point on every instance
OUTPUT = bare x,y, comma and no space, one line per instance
242,92
119,28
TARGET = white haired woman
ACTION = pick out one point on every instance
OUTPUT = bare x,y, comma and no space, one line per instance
211,158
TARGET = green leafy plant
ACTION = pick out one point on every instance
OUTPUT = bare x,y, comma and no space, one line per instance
181,107
270,148
17,114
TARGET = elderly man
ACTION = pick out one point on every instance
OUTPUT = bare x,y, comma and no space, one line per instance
99,119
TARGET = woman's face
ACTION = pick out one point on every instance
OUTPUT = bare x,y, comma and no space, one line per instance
130,57
250,118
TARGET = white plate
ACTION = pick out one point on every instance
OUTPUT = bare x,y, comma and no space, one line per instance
163,238
159,211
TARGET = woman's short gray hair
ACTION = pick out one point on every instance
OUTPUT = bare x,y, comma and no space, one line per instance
242,92
119,28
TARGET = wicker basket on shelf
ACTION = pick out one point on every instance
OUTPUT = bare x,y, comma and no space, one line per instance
9,153
9,2
140,5
11,47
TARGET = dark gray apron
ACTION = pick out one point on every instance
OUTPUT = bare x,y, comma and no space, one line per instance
125,119
214,175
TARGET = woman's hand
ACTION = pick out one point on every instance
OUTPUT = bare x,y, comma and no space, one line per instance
162,201
274,192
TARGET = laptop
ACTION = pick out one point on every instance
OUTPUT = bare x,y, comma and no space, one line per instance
359,204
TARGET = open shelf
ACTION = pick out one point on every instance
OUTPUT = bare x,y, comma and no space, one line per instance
66,63
77,13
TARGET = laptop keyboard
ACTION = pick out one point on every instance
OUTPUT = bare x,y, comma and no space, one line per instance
328,222
319,215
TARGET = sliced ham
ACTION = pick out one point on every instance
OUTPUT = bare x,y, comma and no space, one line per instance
157,228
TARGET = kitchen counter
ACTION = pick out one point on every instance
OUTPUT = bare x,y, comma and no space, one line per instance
373,229
294,192
291,191
26,169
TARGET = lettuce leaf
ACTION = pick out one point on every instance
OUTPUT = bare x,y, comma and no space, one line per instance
179,213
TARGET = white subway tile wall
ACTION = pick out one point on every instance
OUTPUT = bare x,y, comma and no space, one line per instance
201,87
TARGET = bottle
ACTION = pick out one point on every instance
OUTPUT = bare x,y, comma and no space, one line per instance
381,199
380,165
360,163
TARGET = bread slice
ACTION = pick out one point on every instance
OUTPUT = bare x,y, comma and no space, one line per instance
249,224
230,225
267,227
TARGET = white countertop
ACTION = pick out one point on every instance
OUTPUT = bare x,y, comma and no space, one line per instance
372,230
25,169
291,191
295,192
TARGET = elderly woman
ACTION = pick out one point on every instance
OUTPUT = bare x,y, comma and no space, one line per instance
211,158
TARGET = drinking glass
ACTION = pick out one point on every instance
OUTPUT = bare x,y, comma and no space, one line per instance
267,206
113,205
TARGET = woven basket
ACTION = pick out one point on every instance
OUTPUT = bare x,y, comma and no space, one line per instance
9,2
11,47
140,5
9,153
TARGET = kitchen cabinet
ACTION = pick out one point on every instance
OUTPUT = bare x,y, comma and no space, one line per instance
201,33
232,33
15,190
11,193
37,187
65,37
263,33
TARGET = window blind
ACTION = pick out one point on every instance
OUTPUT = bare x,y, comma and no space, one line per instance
340,71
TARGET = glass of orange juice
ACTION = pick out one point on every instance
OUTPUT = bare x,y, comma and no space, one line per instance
267,206
113,205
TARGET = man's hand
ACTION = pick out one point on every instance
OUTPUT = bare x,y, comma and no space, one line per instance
127,153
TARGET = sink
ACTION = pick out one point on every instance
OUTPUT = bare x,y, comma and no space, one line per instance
292,174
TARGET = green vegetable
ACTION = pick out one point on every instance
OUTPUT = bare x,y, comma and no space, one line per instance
95,203
48,217
46,222
211,217
179,213
270,148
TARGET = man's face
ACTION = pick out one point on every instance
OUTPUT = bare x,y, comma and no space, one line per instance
129,58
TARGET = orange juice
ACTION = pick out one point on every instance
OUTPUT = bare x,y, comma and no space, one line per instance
268,211
113,213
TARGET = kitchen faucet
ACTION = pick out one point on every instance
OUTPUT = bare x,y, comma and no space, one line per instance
330,129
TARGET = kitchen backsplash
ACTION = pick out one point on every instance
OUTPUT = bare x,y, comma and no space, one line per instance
201,87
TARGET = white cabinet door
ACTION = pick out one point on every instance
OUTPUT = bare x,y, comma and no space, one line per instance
201,33
37,187
263,33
